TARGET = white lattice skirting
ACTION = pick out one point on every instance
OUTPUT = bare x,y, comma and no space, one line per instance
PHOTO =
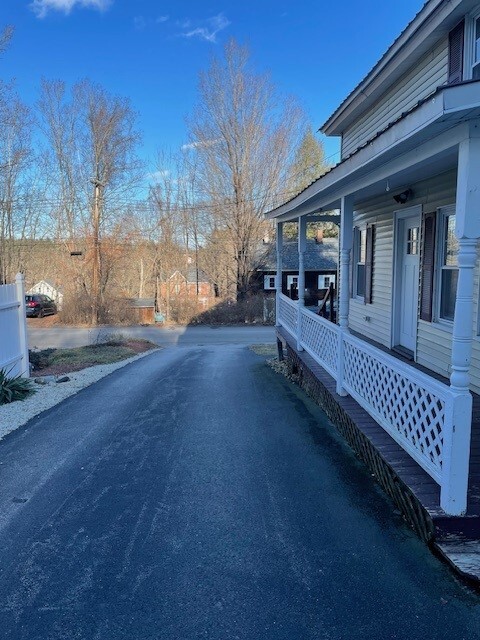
416,410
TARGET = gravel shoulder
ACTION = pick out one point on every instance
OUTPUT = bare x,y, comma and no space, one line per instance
16,414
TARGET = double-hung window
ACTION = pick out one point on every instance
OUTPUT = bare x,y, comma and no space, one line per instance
476,49
448,264
359,262
464,50
325,281
269,283
292,281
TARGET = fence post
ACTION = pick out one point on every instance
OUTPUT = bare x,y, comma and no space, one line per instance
22,325
456,454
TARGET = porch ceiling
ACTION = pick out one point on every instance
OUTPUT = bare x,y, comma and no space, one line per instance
422,143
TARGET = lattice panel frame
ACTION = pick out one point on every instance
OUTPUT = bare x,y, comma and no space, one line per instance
413,413
288,314
321,339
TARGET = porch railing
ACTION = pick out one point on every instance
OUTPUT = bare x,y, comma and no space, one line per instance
418,411
288,312
320,338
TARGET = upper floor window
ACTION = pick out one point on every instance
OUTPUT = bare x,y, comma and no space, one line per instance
476,50
464,50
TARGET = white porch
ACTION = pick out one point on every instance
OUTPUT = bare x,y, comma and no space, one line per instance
415,409
429,419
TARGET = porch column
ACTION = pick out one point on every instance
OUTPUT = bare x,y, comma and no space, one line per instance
278,277
302,245
346,243
456,442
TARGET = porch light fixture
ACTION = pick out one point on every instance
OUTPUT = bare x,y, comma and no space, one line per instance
402,197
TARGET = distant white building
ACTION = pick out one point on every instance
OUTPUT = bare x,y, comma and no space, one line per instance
48,289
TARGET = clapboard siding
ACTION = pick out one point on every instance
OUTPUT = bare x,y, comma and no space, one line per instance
428,74
374,321
435,341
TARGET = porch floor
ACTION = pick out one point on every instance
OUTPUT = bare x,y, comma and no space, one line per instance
424,488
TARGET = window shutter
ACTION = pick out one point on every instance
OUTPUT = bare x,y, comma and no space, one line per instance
427,267
369,264
455,54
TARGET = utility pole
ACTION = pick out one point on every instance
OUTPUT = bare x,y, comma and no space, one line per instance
97,185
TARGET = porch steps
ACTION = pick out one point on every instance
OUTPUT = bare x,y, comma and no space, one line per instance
414,492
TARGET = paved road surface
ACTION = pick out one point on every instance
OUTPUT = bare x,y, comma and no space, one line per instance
195,495
181,336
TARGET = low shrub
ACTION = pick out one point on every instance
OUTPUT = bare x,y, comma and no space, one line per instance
40,359
14,388
255,309
77,309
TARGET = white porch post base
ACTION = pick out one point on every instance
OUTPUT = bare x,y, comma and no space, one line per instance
456,455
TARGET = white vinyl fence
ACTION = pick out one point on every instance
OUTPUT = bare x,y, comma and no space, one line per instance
415,409
13,329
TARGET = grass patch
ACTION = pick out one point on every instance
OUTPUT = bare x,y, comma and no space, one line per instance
57,361
267,350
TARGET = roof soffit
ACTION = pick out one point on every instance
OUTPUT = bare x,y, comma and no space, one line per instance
437,115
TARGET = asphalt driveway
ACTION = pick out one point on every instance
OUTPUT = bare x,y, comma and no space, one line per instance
196,494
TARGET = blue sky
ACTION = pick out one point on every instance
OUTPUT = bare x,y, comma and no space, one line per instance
152,50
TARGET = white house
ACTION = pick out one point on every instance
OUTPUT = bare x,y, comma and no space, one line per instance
47,288
408,190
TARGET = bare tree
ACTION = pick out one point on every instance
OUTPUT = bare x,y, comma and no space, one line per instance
16,157
243,133
93,141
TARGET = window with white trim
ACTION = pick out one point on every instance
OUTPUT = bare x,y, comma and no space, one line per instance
359,262
269,282
476,48
292,281
324,281
447,264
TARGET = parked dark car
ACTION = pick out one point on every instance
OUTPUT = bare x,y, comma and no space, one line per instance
39,305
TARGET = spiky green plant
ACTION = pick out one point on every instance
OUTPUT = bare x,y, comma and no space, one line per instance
14,388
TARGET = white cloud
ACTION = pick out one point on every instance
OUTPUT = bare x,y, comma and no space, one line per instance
196,145
42,7
157,176
206,29
162,19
